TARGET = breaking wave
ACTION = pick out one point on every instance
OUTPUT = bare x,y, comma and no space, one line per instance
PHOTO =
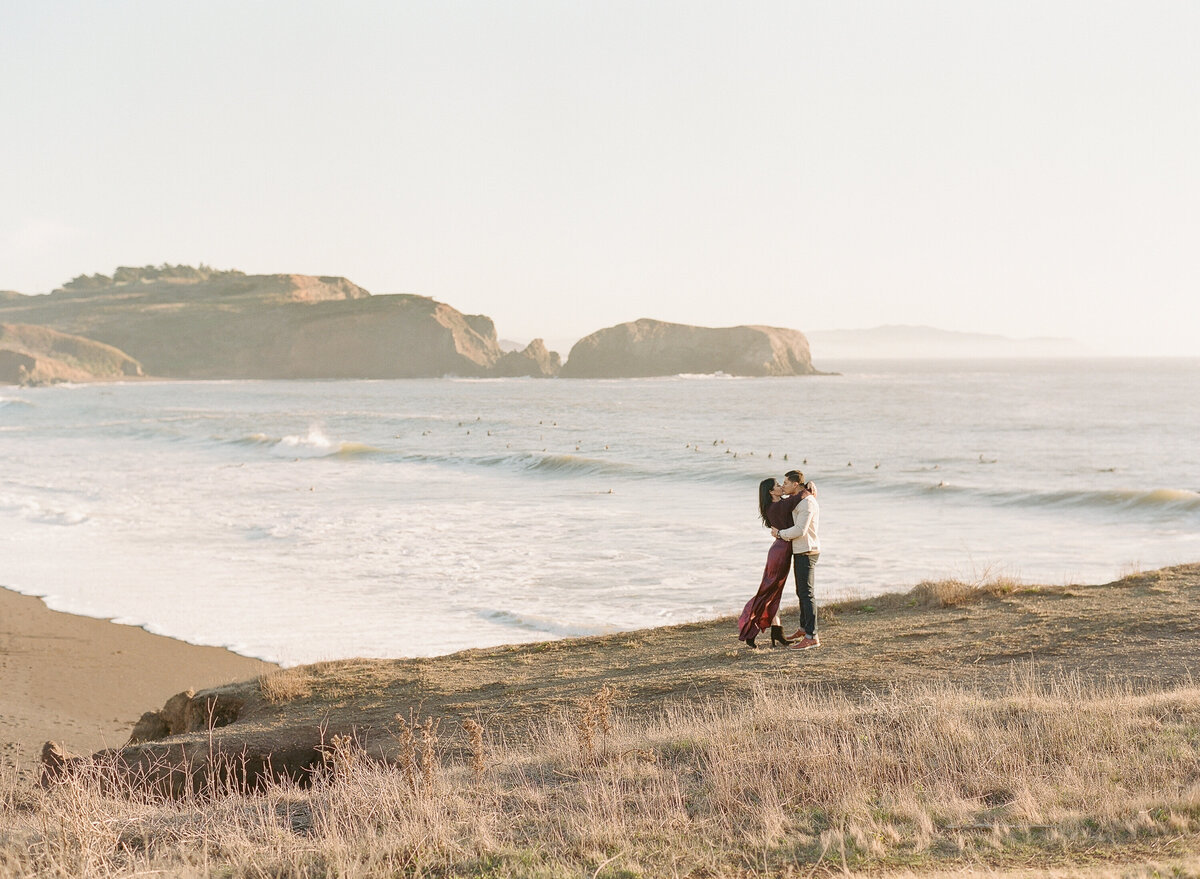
1167,500
314,444
568,465
1161,502
535,462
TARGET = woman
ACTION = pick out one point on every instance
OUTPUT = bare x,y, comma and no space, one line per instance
762,610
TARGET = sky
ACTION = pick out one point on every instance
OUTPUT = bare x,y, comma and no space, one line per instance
1020,168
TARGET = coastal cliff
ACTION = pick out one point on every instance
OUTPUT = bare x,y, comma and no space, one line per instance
31,355
650,347
184,322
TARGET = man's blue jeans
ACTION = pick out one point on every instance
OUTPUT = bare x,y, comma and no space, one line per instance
803,564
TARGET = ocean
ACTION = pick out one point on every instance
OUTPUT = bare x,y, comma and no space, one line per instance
308,521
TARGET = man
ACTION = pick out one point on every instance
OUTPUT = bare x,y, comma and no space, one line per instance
806,549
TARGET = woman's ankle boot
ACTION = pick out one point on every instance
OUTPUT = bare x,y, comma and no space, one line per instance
777,636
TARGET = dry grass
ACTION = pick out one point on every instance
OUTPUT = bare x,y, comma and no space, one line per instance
326,681
286,684
933,593
780,783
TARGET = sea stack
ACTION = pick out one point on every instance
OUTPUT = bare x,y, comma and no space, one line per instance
651,347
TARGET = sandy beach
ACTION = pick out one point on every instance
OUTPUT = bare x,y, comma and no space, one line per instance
84,682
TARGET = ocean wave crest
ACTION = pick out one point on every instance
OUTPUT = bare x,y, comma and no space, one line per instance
574,465
1164,502
1170,500
549,464
314,444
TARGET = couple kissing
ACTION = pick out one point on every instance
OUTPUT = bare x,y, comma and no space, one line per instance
791,511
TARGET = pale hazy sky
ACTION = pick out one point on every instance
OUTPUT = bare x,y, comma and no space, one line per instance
1023,168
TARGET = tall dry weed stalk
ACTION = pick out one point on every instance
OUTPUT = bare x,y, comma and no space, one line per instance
593,713
407,752
475,738
429,759
342,756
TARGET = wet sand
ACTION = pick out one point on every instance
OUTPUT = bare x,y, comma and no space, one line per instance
84,682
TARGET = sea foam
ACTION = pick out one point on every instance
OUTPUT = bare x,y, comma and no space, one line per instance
35,510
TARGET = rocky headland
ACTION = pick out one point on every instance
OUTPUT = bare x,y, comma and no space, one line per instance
651,347
184,322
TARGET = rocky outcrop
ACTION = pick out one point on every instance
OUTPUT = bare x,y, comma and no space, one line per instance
181,322
650,347
187,712
534,361
188,747
33,355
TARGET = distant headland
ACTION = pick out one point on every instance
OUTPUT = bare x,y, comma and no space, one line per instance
909,342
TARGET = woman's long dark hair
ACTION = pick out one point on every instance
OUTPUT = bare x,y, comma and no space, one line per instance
764,498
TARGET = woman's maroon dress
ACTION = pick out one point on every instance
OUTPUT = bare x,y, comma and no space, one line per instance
761,609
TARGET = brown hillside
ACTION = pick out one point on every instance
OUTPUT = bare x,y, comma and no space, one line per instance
182,322
31,355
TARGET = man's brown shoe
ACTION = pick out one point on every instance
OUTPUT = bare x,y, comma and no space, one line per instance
807,643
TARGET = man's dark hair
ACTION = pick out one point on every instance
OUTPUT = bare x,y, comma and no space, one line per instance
794,476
